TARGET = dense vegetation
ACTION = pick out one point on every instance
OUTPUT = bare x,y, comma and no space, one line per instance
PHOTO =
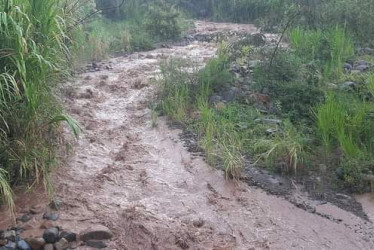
294,108
138,25
33,52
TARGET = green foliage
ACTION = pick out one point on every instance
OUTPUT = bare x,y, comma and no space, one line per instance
33,46
330,47
344,120
215,74
175,89
162,20
285,147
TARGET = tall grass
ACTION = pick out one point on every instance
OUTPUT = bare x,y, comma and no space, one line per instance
331,47
344,124
33,49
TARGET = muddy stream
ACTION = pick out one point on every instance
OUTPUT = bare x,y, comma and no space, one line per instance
144,185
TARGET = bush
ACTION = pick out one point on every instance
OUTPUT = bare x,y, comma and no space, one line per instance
162,20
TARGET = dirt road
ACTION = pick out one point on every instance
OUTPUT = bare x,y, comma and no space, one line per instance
143,184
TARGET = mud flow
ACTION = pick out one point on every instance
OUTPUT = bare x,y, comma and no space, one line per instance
144,185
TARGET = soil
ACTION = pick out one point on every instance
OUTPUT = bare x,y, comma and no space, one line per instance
146,186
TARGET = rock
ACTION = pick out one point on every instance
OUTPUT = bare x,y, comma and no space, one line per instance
51,216
9,235
62,244
347,67
362,68
22,245
96,244
10,246
198,223
269,121
24,218
340,173
48,247
35,243
271,131
361,62
369,51
348,85
69,236
3,242
36,209
253,64
231,94
50,235
73,245
215,99
97,232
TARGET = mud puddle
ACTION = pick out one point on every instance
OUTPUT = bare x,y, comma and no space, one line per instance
152,193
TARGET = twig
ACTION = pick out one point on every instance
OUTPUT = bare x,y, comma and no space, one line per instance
280,39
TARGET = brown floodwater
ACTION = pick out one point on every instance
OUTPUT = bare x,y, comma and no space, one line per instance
144,185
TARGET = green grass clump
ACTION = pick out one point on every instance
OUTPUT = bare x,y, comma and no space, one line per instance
345,124
33,38
330,47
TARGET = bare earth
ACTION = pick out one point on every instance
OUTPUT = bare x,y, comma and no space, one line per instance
144,185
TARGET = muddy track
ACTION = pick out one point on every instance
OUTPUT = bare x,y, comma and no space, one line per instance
144,185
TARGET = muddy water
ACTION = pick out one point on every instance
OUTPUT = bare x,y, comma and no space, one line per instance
152,193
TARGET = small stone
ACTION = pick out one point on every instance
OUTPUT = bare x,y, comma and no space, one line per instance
69,236
22,245
198,223
362,68
347,67
24,218
348,85
48,247
10,246
51,216
362,62
3,242
51,235
271,131
56,202
215,98
96,244
35,243
62,244
97,232
9,235
36,209
269,121
73,245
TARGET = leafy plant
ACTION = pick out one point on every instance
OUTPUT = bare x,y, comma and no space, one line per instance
162,20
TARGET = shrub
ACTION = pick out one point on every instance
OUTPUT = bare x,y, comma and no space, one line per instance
215,75
162,20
